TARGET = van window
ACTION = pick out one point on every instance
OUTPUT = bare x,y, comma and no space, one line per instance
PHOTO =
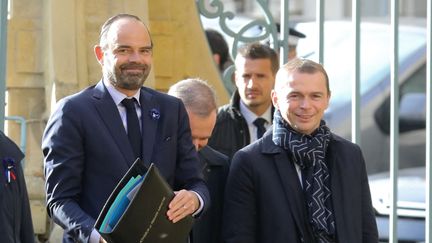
416,83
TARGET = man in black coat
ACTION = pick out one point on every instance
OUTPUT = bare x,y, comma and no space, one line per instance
15,217
300,182
199,100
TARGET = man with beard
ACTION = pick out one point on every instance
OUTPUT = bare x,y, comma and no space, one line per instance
250,111
94,136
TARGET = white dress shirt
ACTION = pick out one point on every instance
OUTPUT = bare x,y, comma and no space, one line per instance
250,117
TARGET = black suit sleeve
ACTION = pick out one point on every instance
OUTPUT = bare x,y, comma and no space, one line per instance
62,145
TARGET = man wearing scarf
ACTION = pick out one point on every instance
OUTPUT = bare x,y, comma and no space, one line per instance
300,182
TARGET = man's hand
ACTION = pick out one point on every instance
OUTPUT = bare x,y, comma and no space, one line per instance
184,203
102,240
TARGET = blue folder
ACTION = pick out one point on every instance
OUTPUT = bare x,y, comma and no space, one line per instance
120,204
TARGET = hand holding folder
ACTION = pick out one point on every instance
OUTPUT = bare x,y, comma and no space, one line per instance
136,210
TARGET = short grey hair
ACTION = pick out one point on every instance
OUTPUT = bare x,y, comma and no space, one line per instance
197,96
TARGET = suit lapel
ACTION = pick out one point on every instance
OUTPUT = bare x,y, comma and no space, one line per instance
337,199
149,120
293,192
109,114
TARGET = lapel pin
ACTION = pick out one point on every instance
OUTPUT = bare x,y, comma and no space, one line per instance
9,167
154,114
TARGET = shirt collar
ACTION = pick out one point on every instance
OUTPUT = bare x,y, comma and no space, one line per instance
250,117
117,95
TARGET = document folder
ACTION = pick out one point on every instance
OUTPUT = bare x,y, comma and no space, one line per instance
136,210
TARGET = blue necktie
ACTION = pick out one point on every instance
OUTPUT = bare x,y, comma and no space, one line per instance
259,123
133,128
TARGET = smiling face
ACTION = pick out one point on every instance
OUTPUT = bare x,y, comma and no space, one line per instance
254,80
127,56
301,98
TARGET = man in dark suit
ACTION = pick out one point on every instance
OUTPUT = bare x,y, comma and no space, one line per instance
300,182
89,140
200,102
15,216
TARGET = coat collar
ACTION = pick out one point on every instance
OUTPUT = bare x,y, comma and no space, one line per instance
234,106
334,161
8,149
290,183
213,157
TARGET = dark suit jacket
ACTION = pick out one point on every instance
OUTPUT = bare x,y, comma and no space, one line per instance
87,152
264,201
207,229
15,217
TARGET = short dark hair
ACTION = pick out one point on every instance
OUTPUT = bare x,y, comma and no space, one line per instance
218,45
257,50
303,65
107,25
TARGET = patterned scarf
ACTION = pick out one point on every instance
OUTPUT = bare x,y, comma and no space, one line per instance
308,152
